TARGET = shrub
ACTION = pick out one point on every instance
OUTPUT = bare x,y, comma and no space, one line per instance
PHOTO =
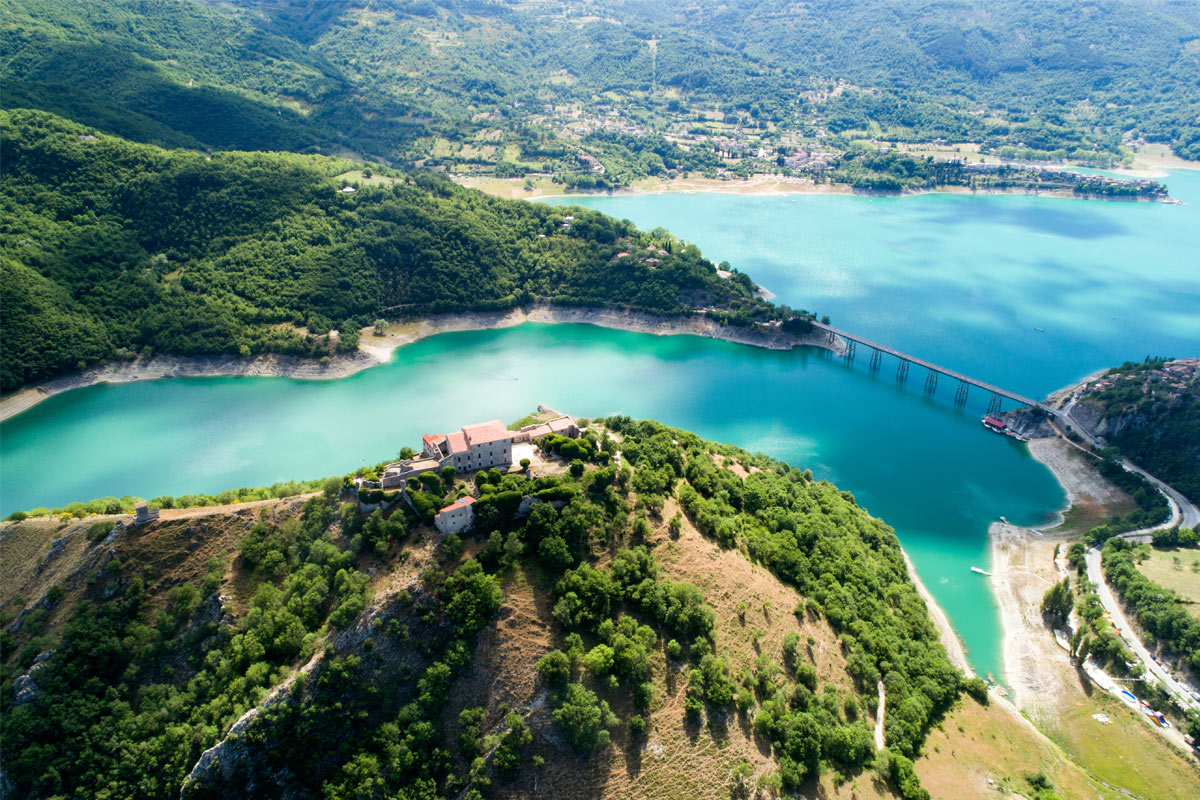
584,719
99,530
555,668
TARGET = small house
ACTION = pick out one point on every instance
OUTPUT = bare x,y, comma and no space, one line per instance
456,517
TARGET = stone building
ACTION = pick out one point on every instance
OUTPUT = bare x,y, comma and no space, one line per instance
456,517
472,447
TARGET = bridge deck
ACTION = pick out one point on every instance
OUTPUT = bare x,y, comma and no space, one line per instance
929,365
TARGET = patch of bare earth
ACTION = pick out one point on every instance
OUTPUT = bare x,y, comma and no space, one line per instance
975,744
1090,497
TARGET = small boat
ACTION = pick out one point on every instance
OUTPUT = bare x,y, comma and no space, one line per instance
1040,330
1004,519
981,571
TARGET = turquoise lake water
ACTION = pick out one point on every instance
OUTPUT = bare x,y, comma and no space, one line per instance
960,280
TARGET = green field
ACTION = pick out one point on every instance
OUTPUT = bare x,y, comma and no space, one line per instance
1177,569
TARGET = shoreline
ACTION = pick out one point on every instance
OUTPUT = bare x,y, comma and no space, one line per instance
765,186
375,350
950,639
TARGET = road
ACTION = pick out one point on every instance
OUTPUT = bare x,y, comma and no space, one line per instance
1129,635
1184,512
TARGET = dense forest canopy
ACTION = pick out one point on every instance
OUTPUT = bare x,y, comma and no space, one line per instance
1152,416
111,248
494,85
149,671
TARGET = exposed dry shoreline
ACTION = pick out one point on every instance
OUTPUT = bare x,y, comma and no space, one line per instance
949,637
375,350
755,185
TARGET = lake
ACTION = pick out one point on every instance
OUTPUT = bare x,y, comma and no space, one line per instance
963,281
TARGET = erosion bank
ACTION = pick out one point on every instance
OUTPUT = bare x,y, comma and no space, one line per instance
375,350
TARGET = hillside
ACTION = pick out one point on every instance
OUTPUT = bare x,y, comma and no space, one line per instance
644,88
695,622
110,248
1149,411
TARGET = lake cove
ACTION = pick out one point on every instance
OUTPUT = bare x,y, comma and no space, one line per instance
963,281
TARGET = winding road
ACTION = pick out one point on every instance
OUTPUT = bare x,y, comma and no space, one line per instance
1129,635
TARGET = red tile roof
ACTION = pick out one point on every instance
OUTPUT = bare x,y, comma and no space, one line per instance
456,442
461,502
485,432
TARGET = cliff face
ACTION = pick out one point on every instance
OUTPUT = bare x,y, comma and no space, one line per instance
1032,423
1091,417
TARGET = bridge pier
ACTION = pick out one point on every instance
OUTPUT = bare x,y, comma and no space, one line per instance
934,371
960,394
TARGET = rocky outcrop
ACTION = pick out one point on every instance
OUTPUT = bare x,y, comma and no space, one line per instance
1032,423
25,688
1090,417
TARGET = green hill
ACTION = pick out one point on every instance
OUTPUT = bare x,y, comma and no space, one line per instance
690,624
498,85
110,248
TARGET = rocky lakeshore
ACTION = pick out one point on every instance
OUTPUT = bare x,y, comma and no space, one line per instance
375,350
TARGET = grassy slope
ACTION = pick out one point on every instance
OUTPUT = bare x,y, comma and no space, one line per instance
1180,578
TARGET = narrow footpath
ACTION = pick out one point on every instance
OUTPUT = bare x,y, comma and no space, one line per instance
879,712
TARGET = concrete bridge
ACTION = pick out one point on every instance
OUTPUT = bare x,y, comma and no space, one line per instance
965,382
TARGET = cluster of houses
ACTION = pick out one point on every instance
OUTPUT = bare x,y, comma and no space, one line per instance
1176,377
484,445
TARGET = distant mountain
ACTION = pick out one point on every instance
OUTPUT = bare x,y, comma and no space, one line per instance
493,86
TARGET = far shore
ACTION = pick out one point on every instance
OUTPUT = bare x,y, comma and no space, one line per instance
376,350
759,185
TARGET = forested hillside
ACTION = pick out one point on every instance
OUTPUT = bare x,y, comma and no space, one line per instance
1049,71
1150,411
550,650
519,88
111,248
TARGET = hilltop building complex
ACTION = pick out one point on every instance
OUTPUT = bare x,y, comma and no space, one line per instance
483,445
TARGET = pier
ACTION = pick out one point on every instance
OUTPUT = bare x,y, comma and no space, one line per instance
965,382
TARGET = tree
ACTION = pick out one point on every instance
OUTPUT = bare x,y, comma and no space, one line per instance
1058,602
508,754
555,668
584,719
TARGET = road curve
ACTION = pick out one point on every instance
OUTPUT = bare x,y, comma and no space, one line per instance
1184,513
1129,636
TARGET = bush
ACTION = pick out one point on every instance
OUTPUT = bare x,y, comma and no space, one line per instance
584,719
99,530
555,668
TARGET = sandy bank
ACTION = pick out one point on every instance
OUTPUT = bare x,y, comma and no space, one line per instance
375,350
947,634
1037,669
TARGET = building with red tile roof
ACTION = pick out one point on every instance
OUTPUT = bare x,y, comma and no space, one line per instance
458,516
